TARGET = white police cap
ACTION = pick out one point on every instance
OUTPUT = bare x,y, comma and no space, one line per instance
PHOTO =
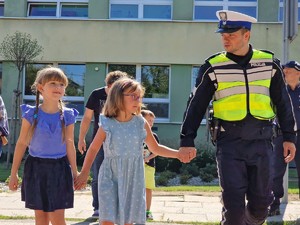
231,21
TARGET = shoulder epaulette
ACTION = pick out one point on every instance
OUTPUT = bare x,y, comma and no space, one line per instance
212,56
267,51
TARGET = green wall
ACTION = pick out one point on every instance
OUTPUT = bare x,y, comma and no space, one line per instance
94,78
15,8
183,9
9,83
98,9
268,10
180,90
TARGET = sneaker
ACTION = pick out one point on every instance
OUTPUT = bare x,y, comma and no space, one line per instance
96,213
149,215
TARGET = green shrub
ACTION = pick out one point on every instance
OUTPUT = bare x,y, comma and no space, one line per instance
184,178
162,181
191,169
208,173
163,178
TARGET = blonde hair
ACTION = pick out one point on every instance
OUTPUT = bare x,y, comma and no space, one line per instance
44,76
115,99
146,112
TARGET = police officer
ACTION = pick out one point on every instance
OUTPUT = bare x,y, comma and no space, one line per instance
247,87
292,76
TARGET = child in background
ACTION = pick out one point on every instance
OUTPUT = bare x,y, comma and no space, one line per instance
48,130
149,159
4,130
122,131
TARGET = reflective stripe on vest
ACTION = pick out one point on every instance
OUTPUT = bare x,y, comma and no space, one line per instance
230,102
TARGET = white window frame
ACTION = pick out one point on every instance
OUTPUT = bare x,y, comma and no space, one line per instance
141,4
225,4
58,4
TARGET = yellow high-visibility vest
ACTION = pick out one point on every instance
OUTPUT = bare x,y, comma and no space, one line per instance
238,87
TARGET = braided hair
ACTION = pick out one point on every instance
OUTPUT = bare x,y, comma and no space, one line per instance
43,76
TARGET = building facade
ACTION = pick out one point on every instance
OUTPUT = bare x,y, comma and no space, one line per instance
161,43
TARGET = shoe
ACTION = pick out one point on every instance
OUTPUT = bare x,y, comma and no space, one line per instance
274,211
96,213
149,215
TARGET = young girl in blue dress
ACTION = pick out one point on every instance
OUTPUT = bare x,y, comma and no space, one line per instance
122,131
48,131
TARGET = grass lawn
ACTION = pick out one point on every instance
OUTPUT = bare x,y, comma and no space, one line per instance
293,182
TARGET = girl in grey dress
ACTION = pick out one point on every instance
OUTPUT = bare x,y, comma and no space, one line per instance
122,131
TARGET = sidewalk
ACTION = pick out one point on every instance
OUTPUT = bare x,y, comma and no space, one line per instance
165,208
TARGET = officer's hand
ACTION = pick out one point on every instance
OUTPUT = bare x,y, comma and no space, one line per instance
186,154
289,151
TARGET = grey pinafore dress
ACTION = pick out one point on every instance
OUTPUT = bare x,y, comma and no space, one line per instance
121,185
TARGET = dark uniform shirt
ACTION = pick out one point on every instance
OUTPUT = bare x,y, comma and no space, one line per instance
205,89
295,96
96,102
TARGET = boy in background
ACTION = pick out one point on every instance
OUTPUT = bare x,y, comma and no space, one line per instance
149,159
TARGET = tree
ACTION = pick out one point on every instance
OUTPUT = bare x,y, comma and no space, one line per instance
19,48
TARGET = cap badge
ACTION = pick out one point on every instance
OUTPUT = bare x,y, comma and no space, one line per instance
223,16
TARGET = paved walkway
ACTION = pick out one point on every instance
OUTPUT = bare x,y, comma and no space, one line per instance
171,209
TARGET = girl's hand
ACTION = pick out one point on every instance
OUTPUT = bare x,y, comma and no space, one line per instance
80,181
13,182
75,175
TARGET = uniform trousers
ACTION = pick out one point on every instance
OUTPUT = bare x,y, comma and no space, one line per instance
244,167
279,166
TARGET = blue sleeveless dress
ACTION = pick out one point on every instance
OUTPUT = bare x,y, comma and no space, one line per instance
121,184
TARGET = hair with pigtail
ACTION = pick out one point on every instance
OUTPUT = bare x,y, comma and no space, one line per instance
44,76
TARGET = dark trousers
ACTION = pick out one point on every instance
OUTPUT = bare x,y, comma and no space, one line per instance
244,168
279,166
95,172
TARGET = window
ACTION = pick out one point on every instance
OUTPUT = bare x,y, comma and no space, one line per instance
58,8
70,10
75,90
47,10
141,9
195,71
156,80
280,16
1,8
206,10
0,78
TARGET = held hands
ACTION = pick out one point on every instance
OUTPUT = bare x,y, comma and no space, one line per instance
289,151
80,181
186,154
